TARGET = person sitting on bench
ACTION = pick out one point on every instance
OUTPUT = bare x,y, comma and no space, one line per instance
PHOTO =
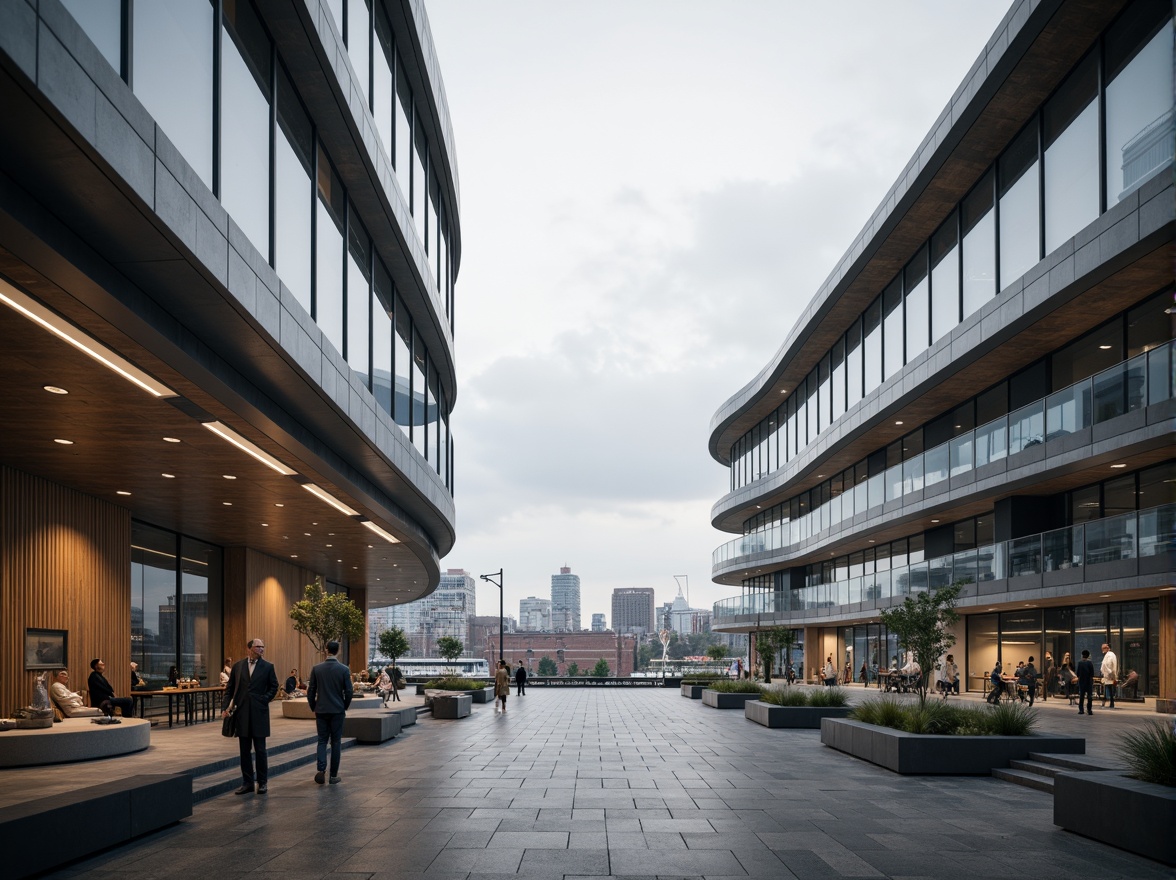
70,703
101,691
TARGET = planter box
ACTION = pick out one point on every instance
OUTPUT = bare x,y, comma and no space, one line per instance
452,706
1128,813
808,717
693,691
915,753
720,700
482,695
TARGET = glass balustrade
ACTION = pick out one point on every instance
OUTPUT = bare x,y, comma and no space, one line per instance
1143,380
1128,536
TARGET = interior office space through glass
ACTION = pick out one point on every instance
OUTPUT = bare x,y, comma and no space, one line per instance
1053,162
210,84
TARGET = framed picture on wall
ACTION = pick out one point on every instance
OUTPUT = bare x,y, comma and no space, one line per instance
46,648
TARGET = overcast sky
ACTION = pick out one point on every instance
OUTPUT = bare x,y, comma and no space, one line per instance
651,192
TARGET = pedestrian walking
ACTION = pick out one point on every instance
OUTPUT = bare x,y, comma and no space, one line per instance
1050,677
329,694
501,686
252,686
1110,674
1085,674
520,679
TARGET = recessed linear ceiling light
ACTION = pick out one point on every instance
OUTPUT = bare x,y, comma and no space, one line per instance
227,503
53,389
329,499
229,476
1104,348
1115,466
67,332
63,442
387,536
121,492
279,504
227,433
171,439
899,422
169,476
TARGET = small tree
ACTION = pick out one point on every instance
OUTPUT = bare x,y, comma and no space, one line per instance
573,670
717,653
547,666
787,642
393,643
920,626
767,645
600,670
322,616
449,648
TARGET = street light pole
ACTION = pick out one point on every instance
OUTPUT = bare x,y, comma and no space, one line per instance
489,578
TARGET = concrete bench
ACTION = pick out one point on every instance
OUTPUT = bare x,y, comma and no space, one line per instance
89,820
372,728
299,708
452,706
408,714
74,739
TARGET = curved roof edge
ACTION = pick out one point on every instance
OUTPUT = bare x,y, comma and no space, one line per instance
1022,23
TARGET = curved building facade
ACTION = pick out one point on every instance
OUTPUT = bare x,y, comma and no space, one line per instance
982,390
229,238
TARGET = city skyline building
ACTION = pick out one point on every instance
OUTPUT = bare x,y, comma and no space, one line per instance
230,239
981,392
633,610
583,649
565,600
598,623
534,614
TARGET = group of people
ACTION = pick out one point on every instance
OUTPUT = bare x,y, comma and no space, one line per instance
103,700
502,678
1074,678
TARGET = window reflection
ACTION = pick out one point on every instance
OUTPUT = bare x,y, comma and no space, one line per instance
294,194
979,252
1071,155
359,36
173,74
945,279
382,300
328,289
359,298
918,317
892,320
1020,220
402,361
102,22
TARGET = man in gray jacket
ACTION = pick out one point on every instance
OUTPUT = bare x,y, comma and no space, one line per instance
329,694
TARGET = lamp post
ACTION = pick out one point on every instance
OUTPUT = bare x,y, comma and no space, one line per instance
489,578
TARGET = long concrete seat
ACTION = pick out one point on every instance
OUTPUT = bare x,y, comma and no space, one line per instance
88,820
408,714
74,739
299,708
452,705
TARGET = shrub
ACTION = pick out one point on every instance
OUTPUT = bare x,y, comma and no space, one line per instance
934,718
1010,719
789,697
736,687
1150,753
705,678
828,698
452,683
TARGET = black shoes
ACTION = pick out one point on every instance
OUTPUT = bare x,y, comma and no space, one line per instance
244,789
320,777
262,789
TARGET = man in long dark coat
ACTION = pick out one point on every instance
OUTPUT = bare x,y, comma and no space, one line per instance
253,683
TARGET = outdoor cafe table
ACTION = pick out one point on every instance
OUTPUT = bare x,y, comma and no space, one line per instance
197,704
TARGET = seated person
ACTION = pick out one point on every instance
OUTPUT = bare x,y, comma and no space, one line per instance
70,703
384,685
292,684
137,681
101,691
173,677
226,672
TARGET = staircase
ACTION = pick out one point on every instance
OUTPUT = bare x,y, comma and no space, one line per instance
1039,769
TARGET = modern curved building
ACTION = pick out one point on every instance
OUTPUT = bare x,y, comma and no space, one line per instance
228,243
982,389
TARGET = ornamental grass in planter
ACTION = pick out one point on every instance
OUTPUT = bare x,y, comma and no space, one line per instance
705,678
943,719
1150,753
821,698
452,683
735,687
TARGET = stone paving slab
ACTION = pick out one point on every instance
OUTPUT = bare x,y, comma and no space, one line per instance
586,783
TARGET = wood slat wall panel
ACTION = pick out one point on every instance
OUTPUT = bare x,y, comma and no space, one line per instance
65,563
271,587
1167,685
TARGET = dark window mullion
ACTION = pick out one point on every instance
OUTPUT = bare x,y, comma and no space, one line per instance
217,30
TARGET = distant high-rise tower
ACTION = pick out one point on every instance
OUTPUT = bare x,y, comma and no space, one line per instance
598,623
534,614
565,600
632,610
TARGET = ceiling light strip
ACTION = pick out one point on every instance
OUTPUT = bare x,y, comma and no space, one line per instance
67,332
228,434
329,499
387,536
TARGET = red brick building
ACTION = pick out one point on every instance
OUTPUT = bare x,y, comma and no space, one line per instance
582,648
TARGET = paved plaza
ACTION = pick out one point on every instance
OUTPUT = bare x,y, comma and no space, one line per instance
594,782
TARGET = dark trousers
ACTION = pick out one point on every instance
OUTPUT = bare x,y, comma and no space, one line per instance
255,744
1108,694
329,726
128,705
520,688
1086,693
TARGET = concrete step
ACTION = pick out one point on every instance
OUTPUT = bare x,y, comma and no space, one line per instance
1027,778
1039,767
1069,762
289,757
233,761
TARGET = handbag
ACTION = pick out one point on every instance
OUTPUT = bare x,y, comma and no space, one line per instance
229,722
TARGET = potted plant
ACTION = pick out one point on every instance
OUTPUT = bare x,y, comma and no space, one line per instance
798,707
730,694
